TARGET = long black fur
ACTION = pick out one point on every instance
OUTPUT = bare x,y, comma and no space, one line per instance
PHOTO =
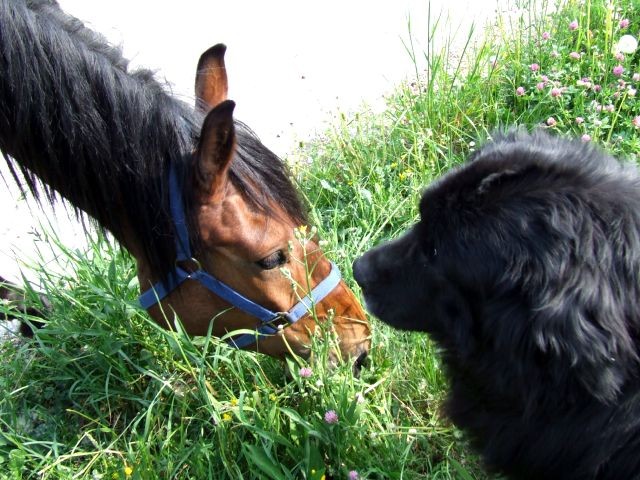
73,117
524,269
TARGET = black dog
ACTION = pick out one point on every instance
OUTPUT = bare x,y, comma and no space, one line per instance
525,269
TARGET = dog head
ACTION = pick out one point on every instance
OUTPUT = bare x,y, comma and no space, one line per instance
526,256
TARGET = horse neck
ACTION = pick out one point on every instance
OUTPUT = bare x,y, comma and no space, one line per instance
74,118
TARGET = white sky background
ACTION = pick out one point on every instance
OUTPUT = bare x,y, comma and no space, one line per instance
291,65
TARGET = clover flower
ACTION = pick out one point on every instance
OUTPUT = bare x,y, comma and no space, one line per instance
540,86
331,417
579,120
574,56
624,23
586,138
556,92
353,475
618,70
573,25
534,67
636,121
305,372
520,91
546,35
636,77
551,122
626,44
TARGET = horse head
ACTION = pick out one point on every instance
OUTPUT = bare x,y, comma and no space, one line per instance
250,234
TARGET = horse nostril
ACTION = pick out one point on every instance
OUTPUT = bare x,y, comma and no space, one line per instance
359,362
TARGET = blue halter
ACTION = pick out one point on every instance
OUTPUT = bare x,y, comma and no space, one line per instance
270,322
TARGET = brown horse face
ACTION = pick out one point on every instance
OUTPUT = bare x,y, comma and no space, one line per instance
257,254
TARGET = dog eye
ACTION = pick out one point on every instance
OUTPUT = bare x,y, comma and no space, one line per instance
274,260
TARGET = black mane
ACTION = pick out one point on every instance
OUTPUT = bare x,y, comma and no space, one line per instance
77,123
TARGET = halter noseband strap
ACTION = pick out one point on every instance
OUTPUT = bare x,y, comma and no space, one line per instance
270,322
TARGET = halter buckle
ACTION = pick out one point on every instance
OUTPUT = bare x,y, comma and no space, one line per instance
280,320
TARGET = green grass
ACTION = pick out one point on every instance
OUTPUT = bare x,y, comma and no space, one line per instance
101,392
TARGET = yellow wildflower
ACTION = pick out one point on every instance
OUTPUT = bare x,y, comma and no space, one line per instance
234,402
128,471
226,417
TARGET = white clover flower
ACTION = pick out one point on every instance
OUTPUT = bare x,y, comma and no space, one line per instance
626,44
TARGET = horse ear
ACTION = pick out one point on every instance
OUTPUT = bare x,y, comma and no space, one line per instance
211,78
216,147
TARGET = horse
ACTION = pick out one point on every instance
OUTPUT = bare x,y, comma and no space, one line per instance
205,209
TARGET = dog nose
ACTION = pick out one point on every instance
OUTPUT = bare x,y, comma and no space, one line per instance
359,271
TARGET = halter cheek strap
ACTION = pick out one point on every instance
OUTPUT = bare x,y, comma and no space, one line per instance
270,322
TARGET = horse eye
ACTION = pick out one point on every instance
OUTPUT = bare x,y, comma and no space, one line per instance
272,261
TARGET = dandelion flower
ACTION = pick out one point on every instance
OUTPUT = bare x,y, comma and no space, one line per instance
573,25
551,121
520,91
624,23
586,138
618,70
305,372
331,417
534,67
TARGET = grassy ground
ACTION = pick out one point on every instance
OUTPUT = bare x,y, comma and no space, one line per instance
101,392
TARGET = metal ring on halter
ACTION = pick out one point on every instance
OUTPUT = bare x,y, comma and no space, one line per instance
193,260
